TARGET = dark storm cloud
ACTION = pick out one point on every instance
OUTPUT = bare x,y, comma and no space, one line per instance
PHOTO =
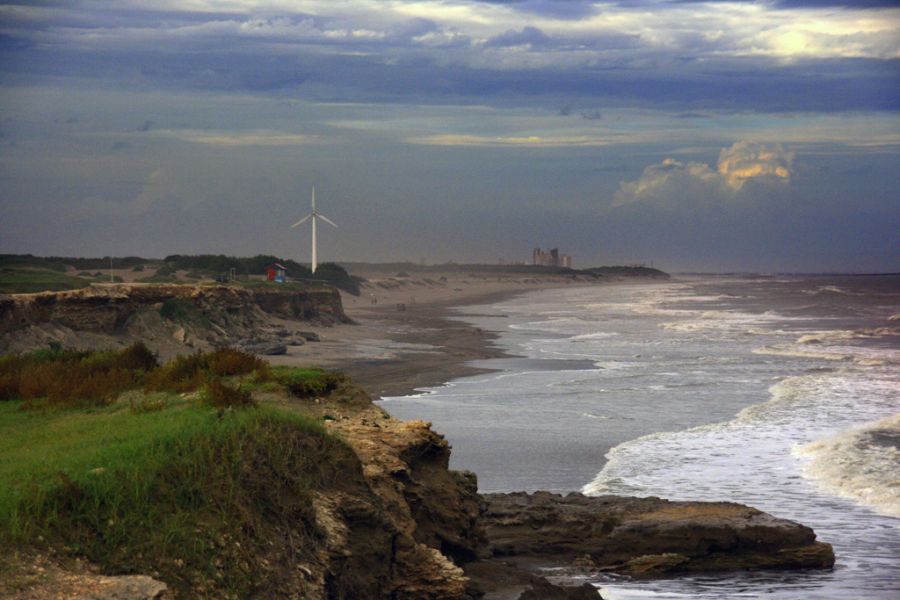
527,35
561,9
744,84
419,59
445,127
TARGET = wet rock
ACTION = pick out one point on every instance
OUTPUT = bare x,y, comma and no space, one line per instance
266,348
645,536
309,336
541,589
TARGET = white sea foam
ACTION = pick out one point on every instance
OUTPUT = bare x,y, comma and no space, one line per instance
792,350
724,321
637,594
696,369
600,335
860,355
818,337
862,464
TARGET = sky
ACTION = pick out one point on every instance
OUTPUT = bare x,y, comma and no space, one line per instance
699,136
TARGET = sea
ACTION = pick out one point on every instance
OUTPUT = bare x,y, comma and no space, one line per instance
781,392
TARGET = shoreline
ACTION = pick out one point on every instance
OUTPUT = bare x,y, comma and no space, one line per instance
457,343
389,352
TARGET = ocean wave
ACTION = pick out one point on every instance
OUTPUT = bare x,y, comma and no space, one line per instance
862,464
714,298
599,335
613,593
824,390
593,416
818,337
860,355
723,320
832,289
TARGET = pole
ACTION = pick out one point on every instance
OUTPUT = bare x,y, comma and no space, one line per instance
314,230
314,243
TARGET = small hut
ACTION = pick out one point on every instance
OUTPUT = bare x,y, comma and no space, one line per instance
276,272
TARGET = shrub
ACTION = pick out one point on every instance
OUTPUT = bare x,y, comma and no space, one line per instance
221,395
88,387
309,383
176,309
137,357
181,374
231,361
70,377
188,372
138,268
166,270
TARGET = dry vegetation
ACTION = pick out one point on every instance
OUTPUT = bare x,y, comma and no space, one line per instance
136,465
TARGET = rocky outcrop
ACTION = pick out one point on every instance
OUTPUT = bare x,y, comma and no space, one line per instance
431,524
40,578
395,522
541,589
159,314
433,511
647,536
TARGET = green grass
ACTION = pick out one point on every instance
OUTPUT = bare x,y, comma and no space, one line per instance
23,281
103,455
301,382
168,489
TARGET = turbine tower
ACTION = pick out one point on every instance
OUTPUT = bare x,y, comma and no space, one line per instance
314,215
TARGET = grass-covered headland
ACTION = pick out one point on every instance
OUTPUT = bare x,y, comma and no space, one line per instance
168,469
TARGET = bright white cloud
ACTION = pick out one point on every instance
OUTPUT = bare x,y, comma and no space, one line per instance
714,30
745,161
673,180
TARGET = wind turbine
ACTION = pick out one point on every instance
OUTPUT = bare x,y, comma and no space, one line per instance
314,215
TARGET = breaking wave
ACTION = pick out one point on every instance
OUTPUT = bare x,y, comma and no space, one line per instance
859,464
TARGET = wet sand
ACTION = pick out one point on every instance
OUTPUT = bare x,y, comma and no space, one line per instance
404,338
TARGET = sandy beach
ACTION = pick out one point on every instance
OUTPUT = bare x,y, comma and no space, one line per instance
403,337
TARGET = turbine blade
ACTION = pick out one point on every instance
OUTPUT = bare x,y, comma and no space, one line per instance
327,220
301,221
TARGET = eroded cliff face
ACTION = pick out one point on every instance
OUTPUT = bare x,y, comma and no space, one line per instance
96,316
432,512
425,532
395,523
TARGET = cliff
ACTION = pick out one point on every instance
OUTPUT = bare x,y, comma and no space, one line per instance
163,316
389,520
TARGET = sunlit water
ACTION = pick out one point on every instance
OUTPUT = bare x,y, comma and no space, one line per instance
779,393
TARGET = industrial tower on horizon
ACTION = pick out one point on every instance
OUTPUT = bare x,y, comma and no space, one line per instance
551,258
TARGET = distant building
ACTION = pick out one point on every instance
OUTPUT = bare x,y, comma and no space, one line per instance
551,258
276,272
